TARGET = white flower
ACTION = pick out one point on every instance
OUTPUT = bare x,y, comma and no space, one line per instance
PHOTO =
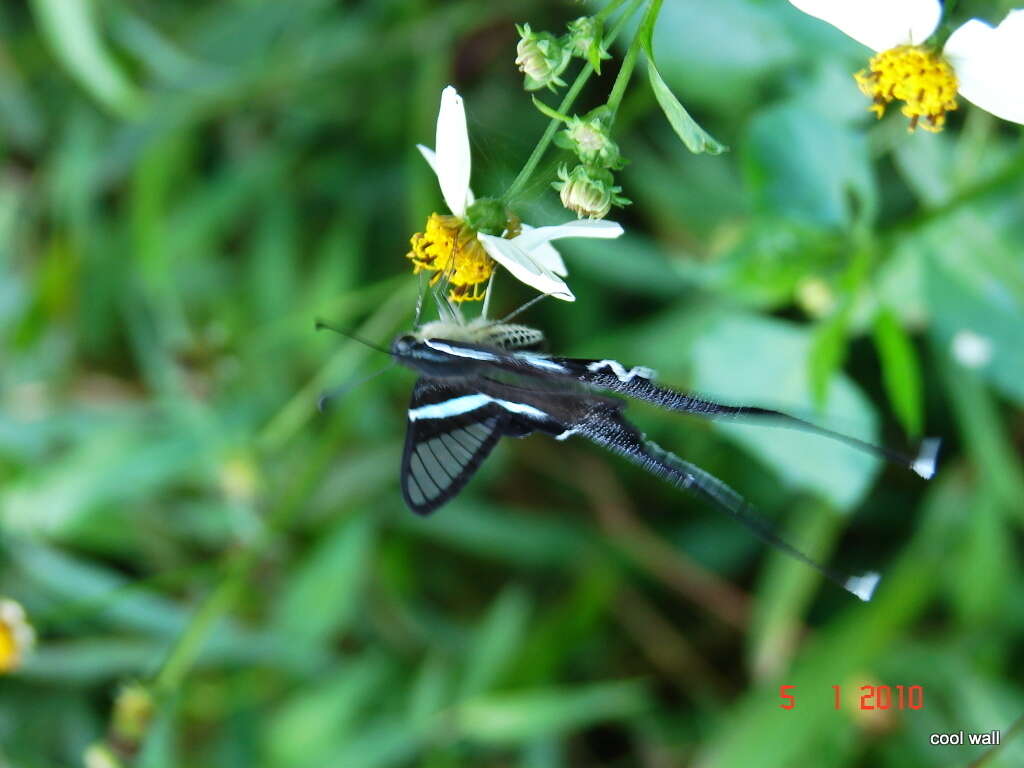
984,63
529,256
16,635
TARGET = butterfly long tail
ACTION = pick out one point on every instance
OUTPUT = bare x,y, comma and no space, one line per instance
641,387
611,431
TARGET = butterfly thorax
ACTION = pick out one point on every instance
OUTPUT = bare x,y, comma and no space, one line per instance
483,332
446,350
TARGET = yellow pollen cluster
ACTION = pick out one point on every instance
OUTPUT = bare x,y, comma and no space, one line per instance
449,248
917,76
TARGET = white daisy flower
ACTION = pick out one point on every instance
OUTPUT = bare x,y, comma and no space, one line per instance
16,635
982,62
464,245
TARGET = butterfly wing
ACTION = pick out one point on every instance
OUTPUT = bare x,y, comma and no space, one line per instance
451,430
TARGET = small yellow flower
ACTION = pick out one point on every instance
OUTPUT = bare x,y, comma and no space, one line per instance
981,62
16,635
917,76
448,246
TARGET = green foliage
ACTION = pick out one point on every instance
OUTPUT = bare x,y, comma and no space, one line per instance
692,135
900,370
186,187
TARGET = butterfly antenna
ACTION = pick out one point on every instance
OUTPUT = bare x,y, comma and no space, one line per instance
419,301
333,394
321,325
524,307
487,297
442,280
445,310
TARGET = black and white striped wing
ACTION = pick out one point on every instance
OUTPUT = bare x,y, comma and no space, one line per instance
450,431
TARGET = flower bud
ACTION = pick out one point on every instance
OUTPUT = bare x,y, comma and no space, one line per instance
542,58
99,755
133,711
588,192
585,36
589,139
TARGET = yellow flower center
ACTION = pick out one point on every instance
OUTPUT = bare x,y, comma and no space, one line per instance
9,651
917,76
449,248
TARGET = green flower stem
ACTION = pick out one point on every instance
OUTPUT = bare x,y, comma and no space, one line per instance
629,62
549,133
626,70
574,90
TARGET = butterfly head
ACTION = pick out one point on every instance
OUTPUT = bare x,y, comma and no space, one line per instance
404,346
436,358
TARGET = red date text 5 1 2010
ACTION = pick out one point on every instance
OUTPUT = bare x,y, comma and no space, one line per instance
871,696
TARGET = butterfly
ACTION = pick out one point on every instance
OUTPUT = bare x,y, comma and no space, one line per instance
481,381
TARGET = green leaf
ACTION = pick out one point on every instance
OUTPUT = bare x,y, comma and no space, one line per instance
985,550
901,371
158,748
695,138
787,587
500,635
430,690
827,355
324,592
766,264
547,111
319,718
516,717
744,358
806,166
498,534
964,297
71,29
385,743
726,54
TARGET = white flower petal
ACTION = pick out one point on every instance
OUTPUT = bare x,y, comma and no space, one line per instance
452,161
989,65
524,268
532,238
546,255
878,24
431,158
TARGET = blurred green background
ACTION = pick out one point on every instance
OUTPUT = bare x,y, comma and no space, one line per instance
185,186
